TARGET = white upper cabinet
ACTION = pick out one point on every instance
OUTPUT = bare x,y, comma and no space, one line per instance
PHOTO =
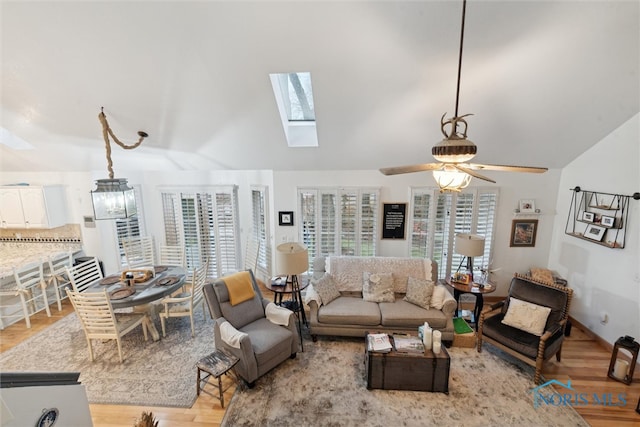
33,207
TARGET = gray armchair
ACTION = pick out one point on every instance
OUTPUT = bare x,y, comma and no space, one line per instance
259,343
528,347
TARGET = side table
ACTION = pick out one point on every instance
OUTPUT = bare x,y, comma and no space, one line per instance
477,289
215,365
279,289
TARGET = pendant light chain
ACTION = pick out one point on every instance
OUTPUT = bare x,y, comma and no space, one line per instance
106,131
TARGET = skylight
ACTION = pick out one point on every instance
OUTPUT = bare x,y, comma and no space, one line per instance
294,98
12,140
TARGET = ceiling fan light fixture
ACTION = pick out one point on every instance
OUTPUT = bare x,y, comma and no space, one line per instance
454,150
450,179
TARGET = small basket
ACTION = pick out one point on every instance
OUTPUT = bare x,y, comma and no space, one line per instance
464,340
139,276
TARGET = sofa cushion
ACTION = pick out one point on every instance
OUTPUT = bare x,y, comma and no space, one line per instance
404,314
350,311
377,287
326,288
526,316
419,292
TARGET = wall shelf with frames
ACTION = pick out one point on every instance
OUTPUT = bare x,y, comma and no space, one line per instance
599,217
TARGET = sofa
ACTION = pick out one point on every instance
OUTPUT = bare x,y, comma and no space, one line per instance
350,296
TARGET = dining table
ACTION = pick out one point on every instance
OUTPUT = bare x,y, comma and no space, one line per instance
142,295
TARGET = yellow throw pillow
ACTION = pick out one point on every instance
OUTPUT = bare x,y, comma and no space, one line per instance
239,287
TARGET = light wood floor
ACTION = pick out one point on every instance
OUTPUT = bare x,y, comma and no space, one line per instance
584,362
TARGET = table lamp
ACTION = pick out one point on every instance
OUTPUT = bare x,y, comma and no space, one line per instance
469,245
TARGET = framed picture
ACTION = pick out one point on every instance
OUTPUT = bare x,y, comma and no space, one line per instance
523,233
594,232
527,206
588,216
393,220
285,218
608,221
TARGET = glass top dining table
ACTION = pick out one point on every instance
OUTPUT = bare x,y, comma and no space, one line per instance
166,280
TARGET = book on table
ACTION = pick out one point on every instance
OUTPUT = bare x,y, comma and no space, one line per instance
408,343
379,343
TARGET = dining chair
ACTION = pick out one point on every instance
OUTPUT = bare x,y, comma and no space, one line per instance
172,255
57,274
185,303
99,321
31,288
139,251
84,275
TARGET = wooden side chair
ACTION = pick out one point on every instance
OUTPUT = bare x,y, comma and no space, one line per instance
84,275
99,322
31,288
529,324
184,304
139,251
57,275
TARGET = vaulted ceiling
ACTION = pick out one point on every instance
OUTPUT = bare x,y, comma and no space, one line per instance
545,80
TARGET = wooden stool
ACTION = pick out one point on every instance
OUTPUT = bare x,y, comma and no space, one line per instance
215,364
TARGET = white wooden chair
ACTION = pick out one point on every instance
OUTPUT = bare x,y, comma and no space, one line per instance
57,275
99,322
31,288
84,275
139,251
184,304
172,255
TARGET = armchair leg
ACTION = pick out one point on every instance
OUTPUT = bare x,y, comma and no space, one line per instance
559,354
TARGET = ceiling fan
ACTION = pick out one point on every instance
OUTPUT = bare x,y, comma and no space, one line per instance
454,172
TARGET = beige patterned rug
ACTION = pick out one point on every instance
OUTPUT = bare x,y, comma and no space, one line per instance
160,373
326,386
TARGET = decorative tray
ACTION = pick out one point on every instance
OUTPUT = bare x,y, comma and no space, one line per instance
121,293
110,280
166,281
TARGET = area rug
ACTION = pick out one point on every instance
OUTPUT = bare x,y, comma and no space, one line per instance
325,386
160,373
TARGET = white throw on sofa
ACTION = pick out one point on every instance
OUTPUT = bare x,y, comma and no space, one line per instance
349,296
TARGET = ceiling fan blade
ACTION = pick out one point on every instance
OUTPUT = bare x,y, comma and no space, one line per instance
472,173
411,168
507,168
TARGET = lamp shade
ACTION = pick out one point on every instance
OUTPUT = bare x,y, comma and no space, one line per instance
291,258
450,179
469,245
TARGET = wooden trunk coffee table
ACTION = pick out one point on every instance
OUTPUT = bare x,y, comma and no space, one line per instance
408,371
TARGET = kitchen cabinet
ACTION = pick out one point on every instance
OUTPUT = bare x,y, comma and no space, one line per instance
33,206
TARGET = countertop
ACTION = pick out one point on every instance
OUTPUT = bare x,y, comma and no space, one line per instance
17,254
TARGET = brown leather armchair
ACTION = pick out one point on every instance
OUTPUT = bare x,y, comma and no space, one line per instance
528,347
258,342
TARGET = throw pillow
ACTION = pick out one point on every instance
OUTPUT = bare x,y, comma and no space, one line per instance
326,288
419,292
526,316
438,297
542,275
377,287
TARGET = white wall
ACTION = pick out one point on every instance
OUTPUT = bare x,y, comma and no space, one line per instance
604,280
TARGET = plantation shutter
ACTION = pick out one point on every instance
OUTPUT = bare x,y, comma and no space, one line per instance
206,223
434,227
259,232
339,221
130,227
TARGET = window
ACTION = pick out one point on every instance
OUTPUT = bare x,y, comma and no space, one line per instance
338,221
130,227
294,99
436,218
259,232
206,223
